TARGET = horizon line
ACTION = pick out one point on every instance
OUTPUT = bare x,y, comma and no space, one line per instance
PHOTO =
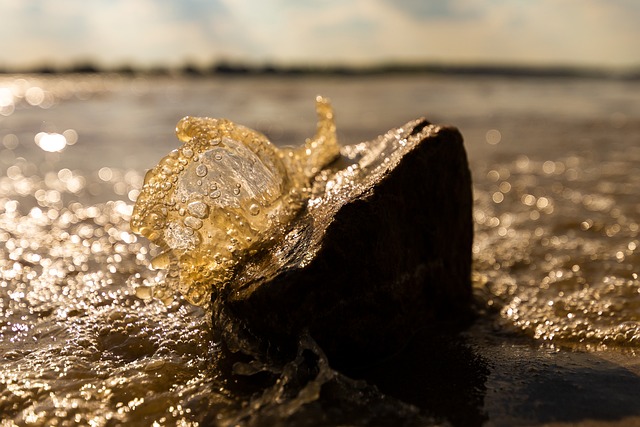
224,67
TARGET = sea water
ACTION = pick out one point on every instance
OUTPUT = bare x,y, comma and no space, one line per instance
83,341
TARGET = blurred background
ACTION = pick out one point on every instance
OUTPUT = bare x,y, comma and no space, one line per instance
453,61
148,34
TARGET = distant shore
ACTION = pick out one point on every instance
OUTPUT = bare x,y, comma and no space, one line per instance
240,69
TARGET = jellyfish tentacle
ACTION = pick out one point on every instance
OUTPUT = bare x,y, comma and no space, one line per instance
321,149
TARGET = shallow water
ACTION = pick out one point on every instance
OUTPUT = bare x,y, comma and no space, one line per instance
556,167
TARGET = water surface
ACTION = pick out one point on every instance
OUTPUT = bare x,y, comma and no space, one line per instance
556,168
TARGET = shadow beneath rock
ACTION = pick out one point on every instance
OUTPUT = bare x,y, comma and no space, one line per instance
306,392
439,373
532,384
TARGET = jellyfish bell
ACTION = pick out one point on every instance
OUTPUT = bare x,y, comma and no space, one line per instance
222,195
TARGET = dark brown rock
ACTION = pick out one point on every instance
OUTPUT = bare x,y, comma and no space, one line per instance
382,249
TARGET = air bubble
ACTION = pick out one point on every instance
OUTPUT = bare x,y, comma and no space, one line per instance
254,209
162,261
198,209
144,292
193,222
201,170
156,219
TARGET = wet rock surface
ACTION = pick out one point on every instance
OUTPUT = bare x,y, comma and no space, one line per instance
382,250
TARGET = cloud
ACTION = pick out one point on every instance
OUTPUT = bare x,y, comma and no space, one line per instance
439,9
588,32
112,31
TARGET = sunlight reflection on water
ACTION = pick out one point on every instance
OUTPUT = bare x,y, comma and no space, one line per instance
556,249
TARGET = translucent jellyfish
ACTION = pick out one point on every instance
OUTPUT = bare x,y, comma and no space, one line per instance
223,196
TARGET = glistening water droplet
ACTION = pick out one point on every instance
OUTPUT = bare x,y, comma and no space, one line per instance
201,170
254,209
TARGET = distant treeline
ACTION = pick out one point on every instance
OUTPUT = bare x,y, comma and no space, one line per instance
228,68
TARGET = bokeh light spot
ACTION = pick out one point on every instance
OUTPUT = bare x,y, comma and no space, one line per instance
493,136
51,142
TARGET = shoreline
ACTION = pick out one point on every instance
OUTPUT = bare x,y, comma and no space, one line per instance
391,69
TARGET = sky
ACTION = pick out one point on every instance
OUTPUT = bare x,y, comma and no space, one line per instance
591,33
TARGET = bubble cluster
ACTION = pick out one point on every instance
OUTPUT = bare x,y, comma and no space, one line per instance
223,196
79,346
556,248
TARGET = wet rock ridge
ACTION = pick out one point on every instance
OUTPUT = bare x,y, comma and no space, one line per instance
381,250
